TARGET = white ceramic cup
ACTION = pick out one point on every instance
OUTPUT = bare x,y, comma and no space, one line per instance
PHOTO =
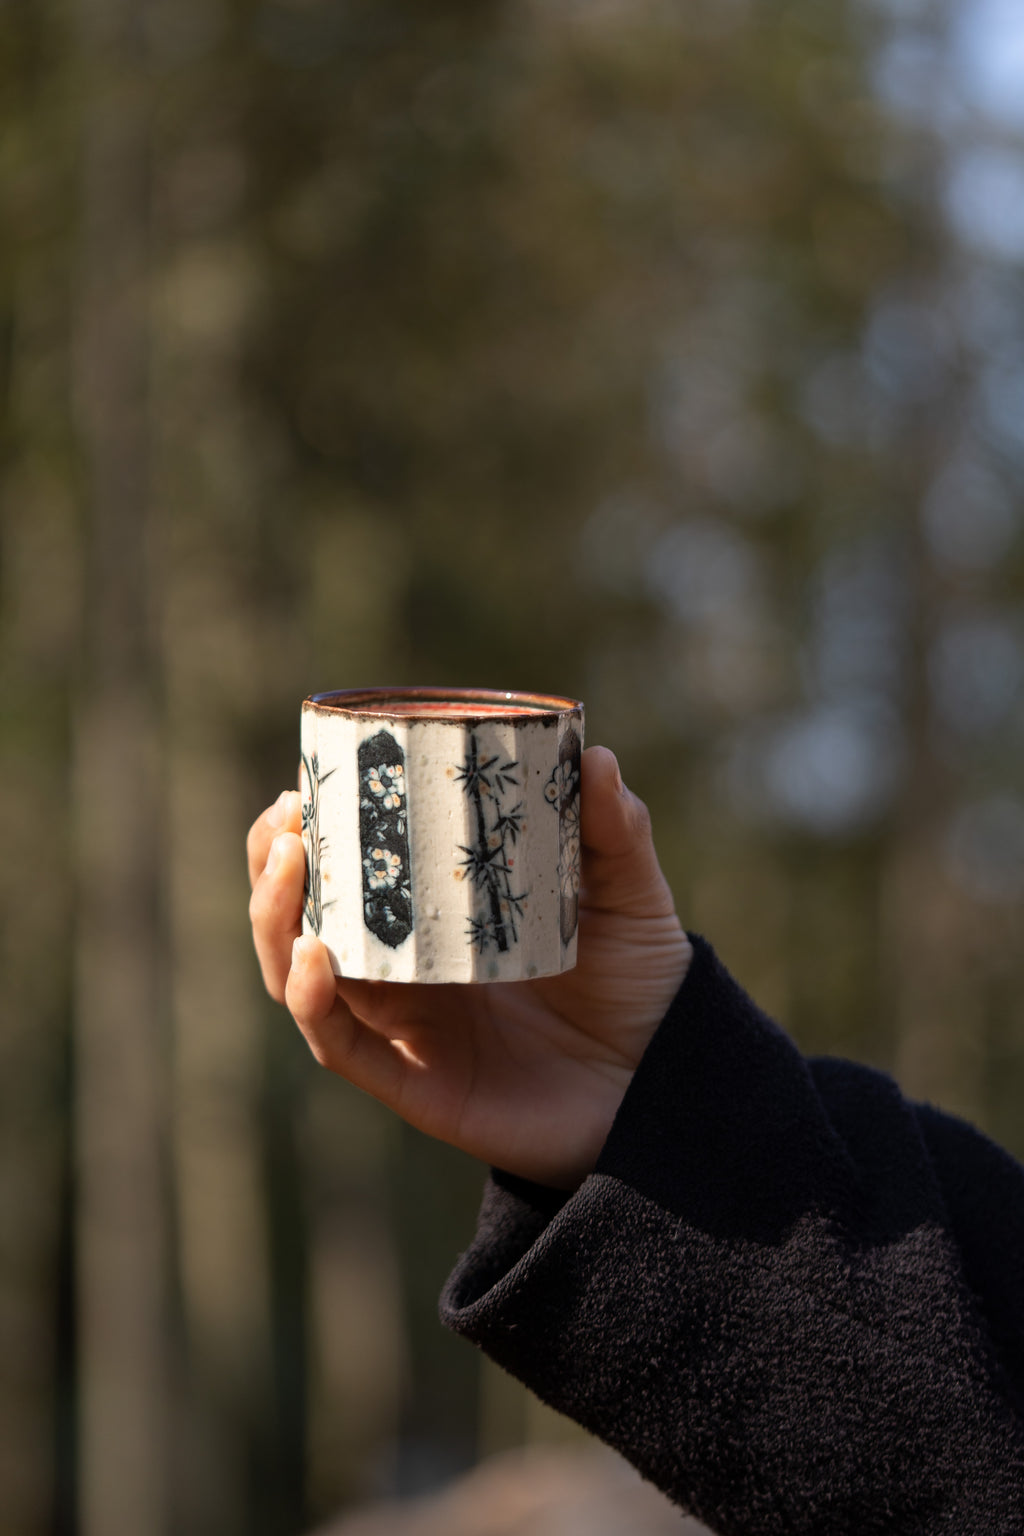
442,832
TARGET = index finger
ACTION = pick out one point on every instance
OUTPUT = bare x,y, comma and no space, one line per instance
285,815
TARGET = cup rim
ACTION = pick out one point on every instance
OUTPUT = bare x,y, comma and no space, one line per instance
373,702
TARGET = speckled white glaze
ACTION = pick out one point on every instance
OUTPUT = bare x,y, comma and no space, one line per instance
442,832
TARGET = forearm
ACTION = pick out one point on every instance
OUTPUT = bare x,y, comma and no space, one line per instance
760,1297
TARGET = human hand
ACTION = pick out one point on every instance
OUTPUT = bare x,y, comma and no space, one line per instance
525,1075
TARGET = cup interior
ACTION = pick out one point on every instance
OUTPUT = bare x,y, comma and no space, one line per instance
443,703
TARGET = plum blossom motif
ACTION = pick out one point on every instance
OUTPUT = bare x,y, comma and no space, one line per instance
563,793
561,788
388,784
384,841
382,869
569,868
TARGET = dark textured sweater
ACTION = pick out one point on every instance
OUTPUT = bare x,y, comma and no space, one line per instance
792,1298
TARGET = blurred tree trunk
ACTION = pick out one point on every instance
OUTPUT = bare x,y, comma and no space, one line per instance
230,1448
39,642
39,548
38,614
119,1011
358,1344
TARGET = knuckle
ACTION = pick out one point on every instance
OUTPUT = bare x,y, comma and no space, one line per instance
256,905
318,1051
317,1039
640,818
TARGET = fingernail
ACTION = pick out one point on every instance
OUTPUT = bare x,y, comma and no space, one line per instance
274,854
279,810
301,947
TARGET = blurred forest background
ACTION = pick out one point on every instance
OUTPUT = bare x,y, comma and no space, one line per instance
669,353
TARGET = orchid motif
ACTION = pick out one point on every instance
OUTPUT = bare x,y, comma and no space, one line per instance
314,843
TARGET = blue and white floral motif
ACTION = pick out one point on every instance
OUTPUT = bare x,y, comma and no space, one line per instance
384,842
383,870
562,787
387,783
569,867
563,793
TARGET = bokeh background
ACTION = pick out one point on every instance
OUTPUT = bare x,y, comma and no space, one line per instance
669,353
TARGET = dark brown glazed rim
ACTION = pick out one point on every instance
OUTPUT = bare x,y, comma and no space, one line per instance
428,703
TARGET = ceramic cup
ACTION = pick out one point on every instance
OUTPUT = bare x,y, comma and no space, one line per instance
442,832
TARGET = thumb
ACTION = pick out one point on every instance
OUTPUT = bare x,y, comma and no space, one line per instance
620,866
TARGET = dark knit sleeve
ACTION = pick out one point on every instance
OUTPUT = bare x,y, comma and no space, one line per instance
794,1300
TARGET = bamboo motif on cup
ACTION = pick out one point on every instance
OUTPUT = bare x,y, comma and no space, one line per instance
489,783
